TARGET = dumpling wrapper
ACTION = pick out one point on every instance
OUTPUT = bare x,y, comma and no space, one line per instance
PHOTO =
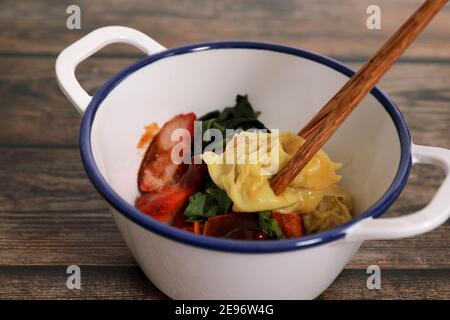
247,181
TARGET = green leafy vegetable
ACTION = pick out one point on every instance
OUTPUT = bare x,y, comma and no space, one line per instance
213,200
209,115
220,196
199,208
240,116
206,204
269,225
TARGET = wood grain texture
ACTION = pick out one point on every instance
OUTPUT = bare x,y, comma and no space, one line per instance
52,217
336,27
33,110
395,284
49,282
333,114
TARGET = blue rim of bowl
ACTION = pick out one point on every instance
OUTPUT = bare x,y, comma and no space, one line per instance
227,245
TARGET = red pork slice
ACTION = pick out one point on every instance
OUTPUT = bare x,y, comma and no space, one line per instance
172,199
157,168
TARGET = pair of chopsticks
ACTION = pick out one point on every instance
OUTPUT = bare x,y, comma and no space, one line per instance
325,123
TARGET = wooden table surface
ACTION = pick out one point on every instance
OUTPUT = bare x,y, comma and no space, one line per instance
52,217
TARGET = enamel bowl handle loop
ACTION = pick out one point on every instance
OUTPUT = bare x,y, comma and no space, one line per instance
424,220
70,57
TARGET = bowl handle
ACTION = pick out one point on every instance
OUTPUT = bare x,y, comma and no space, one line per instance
424,220
70,57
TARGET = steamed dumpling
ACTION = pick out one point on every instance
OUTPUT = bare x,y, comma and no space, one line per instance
246,180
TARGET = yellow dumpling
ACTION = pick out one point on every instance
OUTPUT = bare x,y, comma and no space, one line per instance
253,163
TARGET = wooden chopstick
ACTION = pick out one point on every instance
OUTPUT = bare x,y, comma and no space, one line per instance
325,123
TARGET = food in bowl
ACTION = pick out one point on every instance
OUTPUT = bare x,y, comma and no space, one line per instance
219,185
288,85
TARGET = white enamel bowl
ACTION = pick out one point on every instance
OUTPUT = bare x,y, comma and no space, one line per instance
289,86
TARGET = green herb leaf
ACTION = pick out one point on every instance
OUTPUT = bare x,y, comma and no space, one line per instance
204,205
240,116
221,198
212,200
195,209
209,115
269,225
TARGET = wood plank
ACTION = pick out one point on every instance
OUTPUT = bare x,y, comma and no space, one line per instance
424,251
44,282
52,215
333,28
395,284
33,110
45,180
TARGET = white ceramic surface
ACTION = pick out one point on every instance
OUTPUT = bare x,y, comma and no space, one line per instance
288,90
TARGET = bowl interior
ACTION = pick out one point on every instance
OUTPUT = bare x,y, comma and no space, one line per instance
288,90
